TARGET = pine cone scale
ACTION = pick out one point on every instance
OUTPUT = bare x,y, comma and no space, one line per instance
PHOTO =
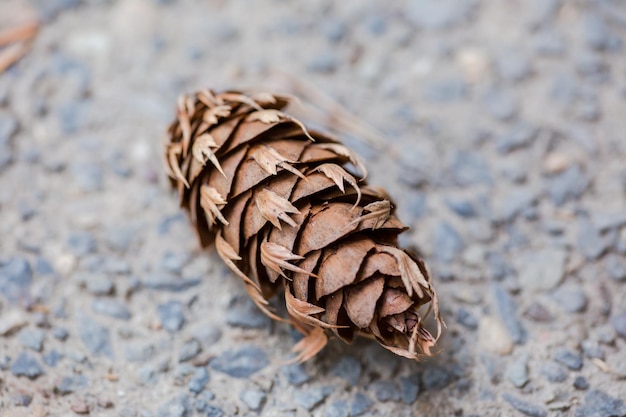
284,211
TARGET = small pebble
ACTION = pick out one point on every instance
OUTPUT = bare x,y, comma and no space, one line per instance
171,315
599,404
189,350
26,365
242,312
312,397
254,399
348,368
360,404
524,406
448,242
519,136
581,383
493,337
51,358
537,312
95,336
199,380
553,372
466,318
409,388
570,297
619,324
615,266
436,377
241,362
573,360
111,308
517,373
296,374
506,307
338,409
385,391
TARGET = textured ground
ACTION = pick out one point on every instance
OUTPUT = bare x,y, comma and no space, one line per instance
505,151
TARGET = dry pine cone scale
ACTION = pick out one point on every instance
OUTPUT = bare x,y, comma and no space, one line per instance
289,210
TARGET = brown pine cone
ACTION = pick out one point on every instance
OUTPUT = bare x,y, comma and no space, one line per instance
287,213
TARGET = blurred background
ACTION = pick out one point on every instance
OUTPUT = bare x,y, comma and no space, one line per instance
497,127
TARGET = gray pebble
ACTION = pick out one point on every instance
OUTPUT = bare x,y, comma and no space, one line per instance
448,243
296,374
571,298
60,333
139,351
549,42
254,399
189,350
409,388
119,237
553,372
338,409
524,407
324,62
498,266
615,267
569,184
127,412
500,104
5,361
537,312
599,404
70,384
573,360
593,68
87,176
619,324
174,262
96,283
242,362
447,90
589,242
517,373
542,269
312,397
440,14
514,202
360,404
242,312
506,307
43,266
165,281
592,349
348,368
95,336
466,318
199,380
32,339
81,243
26,365
470,168
519,136
581,383
385,391
16,277
176,407
333,30
598,35
376,24
513,66
21,399
461,206
171,315
52,358
111,308
436,377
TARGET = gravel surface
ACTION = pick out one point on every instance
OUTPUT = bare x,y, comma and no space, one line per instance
504,149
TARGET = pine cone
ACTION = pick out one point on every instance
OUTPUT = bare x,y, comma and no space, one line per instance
286,214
